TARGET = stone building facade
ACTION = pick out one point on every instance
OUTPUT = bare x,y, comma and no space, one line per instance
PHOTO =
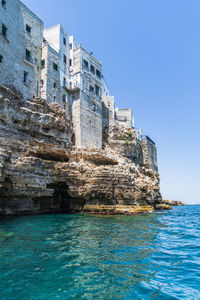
149,152
108,110
124,116
50,64
50,79
21,33
87,108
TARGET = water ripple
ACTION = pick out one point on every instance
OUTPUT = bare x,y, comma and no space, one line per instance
155,256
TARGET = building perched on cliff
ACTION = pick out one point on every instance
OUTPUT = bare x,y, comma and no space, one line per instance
21,34
50,64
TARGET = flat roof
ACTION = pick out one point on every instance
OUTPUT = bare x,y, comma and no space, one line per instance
31,12
98,61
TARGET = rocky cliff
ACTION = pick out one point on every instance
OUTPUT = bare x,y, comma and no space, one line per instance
41,172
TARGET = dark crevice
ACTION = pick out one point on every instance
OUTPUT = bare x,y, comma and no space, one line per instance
60,194
50,156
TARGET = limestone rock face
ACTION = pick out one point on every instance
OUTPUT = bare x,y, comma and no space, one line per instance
163,206
40,171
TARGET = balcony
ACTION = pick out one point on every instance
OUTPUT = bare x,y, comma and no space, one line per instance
121,118
72,88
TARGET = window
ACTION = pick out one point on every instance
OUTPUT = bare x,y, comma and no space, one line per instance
28,55
92,69
97,89
43,63
1,59
85,63
70,62
64,81
70,46
98,73
91,89
64,98
54,85
3,2
25,77
55,66
94,107
64,41
64,58
54,98
4,30
28,28
41,82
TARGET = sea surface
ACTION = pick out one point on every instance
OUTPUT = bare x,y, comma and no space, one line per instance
152,256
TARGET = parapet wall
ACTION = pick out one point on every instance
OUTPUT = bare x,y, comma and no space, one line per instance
149,153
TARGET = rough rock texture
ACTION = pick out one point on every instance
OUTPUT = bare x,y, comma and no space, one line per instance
172,202
162,206
40,172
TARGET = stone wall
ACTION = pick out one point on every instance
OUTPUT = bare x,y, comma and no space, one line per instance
108,110
125,117
16,17
85,105
149,153
90,122
50,78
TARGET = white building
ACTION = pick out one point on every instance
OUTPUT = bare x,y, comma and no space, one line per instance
55,73
85,105
124,116
50,64
21,33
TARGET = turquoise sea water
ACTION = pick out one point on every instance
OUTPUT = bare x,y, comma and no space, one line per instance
154,256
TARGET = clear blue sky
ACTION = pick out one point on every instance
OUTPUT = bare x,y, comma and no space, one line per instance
150,52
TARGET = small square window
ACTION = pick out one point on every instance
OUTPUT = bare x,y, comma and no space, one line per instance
98,73
4,30
3,2
54,85
92,69
70,46
64,41
41,82
28,55
91,89
97,89
64,98
85,63
28,28
64,58
55,67
1,59
43,63
25,77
